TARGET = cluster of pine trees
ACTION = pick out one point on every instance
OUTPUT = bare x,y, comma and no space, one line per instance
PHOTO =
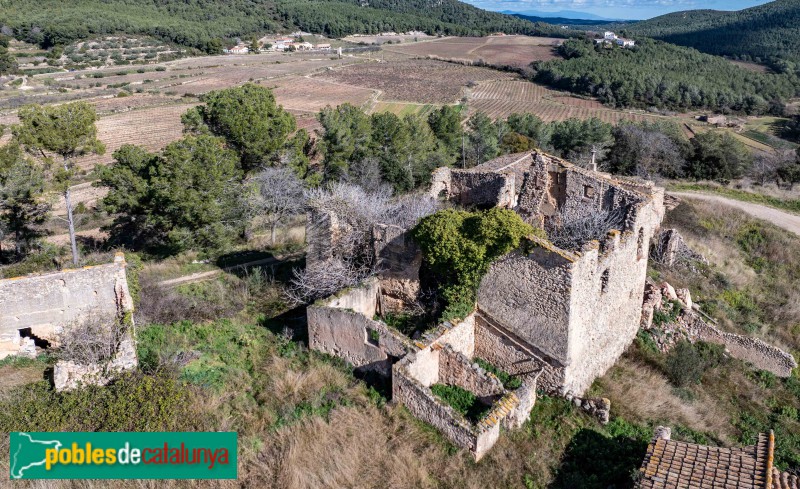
662,75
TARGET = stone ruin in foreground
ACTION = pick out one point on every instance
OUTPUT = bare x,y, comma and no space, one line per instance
37,310
555,318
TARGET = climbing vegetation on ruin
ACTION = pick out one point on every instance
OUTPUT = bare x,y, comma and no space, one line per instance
458,248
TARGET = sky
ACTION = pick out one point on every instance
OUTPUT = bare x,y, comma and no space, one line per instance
615,9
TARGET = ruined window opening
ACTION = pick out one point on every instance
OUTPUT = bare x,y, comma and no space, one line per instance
588,191
39,342
640,244
373,337
604,281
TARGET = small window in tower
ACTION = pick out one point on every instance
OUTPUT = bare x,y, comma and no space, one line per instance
640,244
604,282
588,191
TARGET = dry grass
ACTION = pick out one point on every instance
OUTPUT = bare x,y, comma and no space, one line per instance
640,393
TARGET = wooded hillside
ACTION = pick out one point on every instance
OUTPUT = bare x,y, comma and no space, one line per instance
763,33
202,23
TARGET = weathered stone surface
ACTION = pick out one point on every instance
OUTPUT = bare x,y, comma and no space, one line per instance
42,305
343,326
70,375
398,260
670,249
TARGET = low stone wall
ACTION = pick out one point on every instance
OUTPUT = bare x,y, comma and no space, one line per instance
43,305
526,398
456,369
421,402
762,355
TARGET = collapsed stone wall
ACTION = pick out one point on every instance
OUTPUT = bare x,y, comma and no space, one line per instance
482,189
398,259
43,305
342,325
690,325
762,355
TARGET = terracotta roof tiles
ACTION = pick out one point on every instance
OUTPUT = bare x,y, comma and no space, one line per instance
674,464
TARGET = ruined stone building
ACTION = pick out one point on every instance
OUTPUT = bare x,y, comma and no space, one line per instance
36,309
555,313
556,318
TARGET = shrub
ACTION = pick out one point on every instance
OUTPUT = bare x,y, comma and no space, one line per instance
686,362
459,247
134,402
95,340
462,400
667,314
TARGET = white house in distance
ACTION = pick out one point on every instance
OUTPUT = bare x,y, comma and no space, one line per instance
324,47
238,49
610,37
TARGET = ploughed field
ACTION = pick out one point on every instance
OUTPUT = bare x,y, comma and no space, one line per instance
143,104
516,51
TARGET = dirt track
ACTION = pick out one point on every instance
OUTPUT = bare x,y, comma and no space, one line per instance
782,219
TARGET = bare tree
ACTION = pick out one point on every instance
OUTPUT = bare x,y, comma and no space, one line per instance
276,194
766,165
571,235
366,173
357,211
91,340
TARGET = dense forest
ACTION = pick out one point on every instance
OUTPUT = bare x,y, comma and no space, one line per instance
203,23
766,33
662,75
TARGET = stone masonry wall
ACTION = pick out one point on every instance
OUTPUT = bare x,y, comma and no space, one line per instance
482,189
762,355
456,369
529,295
606,298
47,303
343,326
398,260
502,351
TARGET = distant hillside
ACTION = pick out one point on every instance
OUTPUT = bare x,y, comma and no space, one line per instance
204,23
759,33
561,20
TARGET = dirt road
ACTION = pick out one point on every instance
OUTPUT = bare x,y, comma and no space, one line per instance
782,219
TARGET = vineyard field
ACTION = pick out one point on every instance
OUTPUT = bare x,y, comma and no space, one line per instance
499,99
419,81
